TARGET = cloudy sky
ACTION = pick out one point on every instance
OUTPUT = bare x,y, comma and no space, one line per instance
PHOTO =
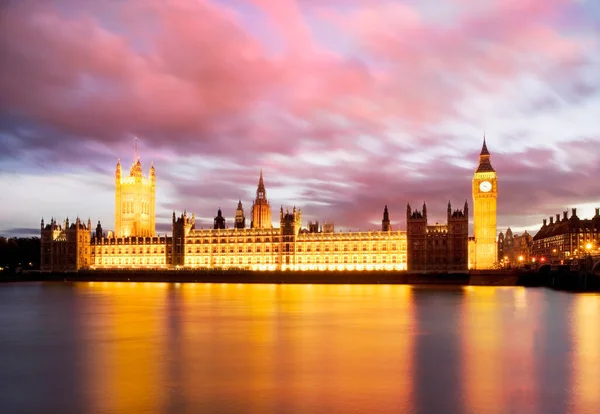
346,105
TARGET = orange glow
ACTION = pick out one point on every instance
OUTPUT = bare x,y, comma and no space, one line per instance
479,344
296,334
259,249
129,370
586,355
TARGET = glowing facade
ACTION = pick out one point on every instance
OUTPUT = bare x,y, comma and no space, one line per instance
261,210
65,247
264,247
485,194
287,248
135,202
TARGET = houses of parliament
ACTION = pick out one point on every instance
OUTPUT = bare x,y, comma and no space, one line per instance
71,246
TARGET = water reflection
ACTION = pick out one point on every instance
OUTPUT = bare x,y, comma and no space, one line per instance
123,331
585,396
177,348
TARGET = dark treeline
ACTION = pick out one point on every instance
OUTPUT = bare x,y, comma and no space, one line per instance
19,252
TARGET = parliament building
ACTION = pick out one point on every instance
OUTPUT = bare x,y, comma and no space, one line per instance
70,246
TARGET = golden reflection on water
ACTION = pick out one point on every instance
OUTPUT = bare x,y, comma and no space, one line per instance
499,359
157,347
125,346
265,347
585,322
479,344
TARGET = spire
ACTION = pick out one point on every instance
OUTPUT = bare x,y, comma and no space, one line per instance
261,184
484,150
261,193
239,205
484,159
385,223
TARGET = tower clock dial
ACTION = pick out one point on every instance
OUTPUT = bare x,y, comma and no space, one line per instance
485,186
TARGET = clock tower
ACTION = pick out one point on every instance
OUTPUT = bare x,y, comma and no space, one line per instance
485,194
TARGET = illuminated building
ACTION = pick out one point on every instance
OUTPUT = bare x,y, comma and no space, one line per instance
135,202
444,248
437,248
514,249
261,247
261,210
485,194
65,248
567,238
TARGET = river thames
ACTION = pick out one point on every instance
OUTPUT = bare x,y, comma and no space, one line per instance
233,348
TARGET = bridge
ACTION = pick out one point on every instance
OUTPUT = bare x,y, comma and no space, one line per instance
589,264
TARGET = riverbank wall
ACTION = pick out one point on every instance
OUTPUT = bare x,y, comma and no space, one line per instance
563,280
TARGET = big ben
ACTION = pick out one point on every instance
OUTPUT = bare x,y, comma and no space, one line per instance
485,194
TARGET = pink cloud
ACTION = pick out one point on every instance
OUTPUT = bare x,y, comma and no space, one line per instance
193,78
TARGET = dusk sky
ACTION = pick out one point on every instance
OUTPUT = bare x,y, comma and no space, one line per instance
346,106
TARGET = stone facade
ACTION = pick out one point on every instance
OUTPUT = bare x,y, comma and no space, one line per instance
567,238
439,247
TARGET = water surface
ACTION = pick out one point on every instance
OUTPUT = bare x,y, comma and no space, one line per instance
233,348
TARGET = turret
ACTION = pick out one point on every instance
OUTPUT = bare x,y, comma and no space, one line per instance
240,218
424,210
42,223
118,171
290,223
385,223
98,230
219,222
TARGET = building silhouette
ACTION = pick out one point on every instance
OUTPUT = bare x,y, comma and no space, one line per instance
439,247
385,222
219,222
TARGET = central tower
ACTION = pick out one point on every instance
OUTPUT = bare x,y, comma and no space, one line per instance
135,202
261,211
485,194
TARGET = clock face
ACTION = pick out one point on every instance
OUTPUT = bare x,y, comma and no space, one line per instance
485,186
